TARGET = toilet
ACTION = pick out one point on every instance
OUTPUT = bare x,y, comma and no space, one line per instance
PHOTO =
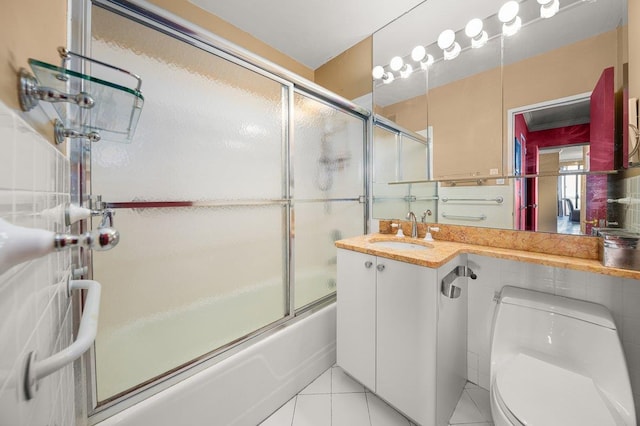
557,361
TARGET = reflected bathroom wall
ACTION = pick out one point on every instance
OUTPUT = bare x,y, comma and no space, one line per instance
401,155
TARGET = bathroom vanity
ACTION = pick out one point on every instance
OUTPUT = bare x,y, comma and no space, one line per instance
413,346
398,335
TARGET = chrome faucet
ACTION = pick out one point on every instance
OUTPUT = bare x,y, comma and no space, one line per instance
414,224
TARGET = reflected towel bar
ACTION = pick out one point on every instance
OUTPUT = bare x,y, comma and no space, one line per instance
455,217
498,199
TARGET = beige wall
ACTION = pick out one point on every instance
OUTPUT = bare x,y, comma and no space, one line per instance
410,114
29,29
466,117
35,28
206,20
567,71
349,74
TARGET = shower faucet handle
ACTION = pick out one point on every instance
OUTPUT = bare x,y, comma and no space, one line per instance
102,239
107,218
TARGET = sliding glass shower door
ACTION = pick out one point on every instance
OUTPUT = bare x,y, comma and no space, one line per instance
228,202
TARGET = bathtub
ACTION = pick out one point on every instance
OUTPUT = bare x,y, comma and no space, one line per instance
247,387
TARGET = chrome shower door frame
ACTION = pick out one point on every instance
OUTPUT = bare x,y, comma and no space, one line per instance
80,154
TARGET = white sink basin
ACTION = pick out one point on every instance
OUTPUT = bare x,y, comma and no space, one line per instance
400,245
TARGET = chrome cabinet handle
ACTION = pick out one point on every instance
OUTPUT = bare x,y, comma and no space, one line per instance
368,264
380,268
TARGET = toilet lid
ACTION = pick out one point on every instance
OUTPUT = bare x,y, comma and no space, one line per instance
538,393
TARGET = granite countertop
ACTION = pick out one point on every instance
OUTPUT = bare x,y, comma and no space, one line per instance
439,252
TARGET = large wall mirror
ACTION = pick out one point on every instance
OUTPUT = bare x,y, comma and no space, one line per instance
517,107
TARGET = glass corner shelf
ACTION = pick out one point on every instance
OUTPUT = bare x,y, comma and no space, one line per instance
86,105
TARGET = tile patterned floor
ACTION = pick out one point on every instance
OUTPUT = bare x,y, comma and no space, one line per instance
334,399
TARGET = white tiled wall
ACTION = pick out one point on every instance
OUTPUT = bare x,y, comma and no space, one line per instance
35,312
620,296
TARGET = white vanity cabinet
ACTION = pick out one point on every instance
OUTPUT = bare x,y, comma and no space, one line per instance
406,326
356,316
390,339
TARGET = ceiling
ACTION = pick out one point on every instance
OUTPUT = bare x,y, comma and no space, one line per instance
312,31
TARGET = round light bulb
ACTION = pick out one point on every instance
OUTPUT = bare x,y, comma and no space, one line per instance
447,42
388,78
446,39
396,63
509,11
473,28
418,53
378,72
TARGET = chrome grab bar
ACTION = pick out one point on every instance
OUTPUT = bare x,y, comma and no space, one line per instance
455,217
36,370
499,199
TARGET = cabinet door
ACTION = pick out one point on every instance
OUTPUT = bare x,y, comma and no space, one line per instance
407,298
356,316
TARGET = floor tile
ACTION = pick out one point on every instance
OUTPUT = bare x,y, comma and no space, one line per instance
472,424
466,411
320,385
312,410
382,414
470,385
349,409
335,399
282,417
341,383
481,398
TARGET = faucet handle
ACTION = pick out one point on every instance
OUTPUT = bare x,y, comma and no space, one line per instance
428,236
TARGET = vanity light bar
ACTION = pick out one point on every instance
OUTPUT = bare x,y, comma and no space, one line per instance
474,30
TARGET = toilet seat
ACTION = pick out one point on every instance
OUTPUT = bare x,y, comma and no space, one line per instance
538,393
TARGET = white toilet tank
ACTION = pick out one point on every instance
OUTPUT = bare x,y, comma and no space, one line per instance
574,335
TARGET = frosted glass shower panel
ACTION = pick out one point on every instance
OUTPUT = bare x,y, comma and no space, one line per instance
389,201
183,282
207,122
317,226
385,156
328,147
413,159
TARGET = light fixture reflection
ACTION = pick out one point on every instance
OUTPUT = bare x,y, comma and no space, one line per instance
428,61
548,8
418,53
406,71
388,78
396,63
508,15
447,42
377,72
474,31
